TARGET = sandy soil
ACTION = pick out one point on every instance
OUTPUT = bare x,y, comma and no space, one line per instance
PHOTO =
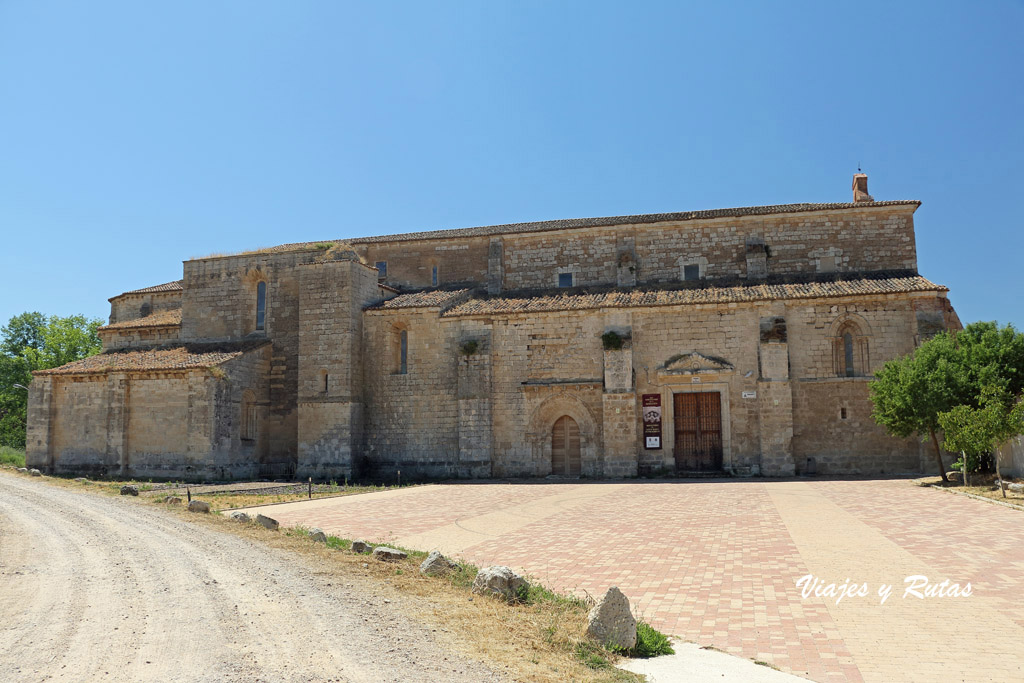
106,589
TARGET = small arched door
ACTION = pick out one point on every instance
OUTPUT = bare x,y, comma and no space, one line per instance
565,447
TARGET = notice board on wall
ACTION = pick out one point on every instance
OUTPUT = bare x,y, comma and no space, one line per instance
651,411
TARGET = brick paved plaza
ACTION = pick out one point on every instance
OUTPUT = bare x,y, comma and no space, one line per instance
716,562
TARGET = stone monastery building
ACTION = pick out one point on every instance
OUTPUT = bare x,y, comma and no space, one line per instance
732,340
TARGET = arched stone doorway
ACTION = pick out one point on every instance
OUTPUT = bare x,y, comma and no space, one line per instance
565,447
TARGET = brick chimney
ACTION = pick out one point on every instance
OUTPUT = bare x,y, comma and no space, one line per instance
860,188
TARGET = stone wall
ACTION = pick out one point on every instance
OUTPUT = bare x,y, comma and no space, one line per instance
181,424
129,306
412,417
331,303
1011,457
139,337
846,240
219,303
461,261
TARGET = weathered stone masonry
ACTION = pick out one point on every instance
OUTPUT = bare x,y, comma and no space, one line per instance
479,353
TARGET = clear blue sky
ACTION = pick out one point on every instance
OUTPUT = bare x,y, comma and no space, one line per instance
134,135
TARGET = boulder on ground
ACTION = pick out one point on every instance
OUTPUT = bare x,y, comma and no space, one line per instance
386,554
23,469
318,535
267,522
1016,488
500,581
129,490
437,564
172,500
361,547
611,622
82,479
239,516
198,506
35,473
953,476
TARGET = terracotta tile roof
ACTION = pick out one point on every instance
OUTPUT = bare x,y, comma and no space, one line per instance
704,295
178,357
428,299
542,226
175,286
171,318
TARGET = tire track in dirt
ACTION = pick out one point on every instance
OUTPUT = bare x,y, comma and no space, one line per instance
109,589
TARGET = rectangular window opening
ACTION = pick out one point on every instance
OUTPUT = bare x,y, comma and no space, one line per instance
433,277
565,279
691,272
382,269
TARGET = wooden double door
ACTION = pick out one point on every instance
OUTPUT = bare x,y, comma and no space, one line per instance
565,447
698,431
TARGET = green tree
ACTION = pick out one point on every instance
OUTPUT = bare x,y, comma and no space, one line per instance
947,371
31,341
22,332
975,432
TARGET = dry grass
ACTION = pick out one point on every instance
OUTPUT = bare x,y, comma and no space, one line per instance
981,485
542,640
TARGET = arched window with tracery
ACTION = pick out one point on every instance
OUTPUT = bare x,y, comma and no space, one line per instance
850,351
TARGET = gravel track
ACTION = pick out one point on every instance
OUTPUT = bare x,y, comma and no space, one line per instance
95,588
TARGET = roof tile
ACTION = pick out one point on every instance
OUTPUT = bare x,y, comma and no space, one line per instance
436,298
176,286
171,318
178,357
705,295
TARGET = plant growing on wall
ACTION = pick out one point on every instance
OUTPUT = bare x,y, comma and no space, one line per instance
468,348
612,341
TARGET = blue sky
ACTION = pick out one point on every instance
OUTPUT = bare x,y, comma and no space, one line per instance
135,135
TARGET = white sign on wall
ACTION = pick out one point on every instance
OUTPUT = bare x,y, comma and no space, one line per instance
749,394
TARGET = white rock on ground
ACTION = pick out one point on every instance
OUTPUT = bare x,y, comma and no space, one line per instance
437,564
198,506
361,547
240,516
129,490
172,500
499,581
611,622
35,473
318,535
267,522
386,554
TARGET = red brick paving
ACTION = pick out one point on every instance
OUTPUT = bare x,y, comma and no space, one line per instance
714,561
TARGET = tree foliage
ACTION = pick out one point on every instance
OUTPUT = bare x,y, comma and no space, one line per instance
974,432
31,341
946,372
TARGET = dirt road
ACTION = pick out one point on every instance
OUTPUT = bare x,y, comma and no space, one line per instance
107,589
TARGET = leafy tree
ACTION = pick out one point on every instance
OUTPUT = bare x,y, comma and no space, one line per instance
22,332
910,392
977,431
31,341
947,371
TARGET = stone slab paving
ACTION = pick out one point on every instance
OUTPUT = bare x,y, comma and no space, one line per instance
716,563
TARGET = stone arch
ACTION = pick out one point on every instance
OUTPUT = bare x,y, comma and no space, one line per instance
543,420
850,335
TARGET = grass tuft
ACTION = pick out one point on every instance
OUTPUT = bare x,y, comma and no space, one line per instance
12,456
651,642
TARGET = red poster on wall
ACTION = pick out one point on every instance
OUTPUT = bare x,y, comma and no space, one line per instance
651,407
